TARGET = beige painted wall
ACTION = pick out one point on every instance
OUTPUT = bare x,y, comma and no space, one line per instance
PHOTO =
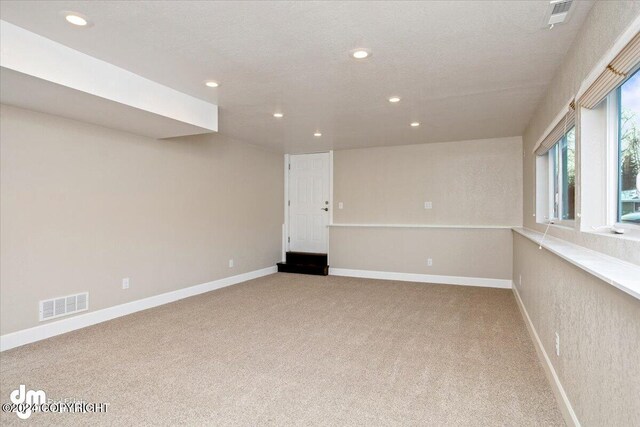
599,328
469,183
606,21
85,206
481,253
599,325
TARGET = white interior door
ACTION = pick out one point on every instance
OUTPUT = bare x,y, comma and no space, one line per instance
308,202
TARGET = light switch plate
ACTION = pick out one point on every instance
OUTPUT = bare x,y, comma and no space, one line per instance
428,205
340,205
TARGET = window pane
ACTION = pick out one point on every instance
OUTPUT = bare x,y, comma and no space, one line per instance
629,155
569,175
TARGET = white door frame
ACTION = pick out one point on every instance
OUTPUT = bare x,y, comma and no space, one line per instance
285,226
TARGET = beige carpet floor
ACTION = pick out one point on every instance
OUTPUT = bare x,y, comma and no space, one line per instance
288,349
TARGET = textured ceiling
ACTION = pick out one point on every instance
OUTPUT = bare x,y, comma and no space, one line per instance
464,70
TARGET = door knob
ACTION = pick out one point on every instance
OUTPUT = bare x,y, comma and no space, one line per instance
325,209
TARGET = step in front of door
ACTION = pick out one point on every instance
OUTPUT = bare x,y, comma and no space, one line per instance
316,270
306,258
305,263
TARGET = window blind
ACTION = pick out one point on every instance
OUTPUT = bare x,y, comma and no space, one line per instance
615,73
566,123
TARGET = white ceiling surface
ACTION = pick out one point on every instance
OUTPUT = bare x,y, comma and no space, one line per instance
464,70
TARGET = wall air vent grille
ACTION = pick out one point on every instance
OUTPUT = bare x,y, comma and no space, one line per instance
558,11
561,7
63,306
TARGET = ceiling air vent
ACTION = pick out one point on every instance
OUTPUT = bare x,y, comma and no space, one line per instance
63,306
559,11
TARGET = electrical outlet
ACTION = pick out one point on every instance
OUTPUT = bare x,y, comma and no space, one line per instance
557,344
340,205
429,262
428,205
230,263
125,283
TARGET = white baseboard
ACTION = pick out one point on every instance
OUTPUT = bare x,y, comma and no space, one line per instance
48,330
423,278
561,396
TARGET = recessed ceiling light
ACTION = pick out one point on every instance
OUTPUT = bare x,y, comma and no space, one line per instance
317,134
76,19
211,83
278,115
361,53
415,124
394,99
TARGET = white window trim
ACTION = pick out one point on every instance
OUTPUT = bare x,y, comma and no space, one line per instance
612,156
551,193
542,197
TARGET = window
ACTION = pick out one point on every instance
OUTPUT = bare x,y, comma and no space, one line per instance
556,172
608,113
628,150
562,180
610,161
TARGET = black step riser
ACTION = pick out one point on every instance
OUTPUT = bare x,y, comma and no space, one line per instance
306,258
305,263
303,269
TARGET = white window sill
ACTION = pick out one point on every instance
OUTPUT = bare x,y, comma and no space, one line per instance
629,234
422,226
623,275
565,224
